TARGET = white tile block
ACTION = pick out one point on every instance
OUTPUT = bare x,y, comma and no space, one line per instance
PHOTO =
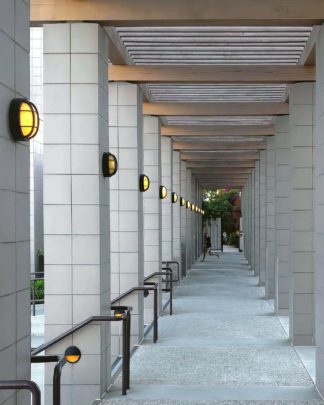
57,38
84,128
56,68
85,306
85,220
129,242
84,98
58,309
58,249
57,129
129,263
127,116
84,68
58,279
84,38
56,99
128,221
86,249
127,137
57,159
127,94
85,159
57,189
57,219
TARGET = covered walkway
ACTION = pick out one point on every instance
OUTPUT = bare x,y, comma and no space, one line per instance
223,345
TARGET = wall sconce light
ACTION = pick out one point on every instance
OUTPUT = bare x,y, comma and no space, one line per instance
144,183
118,313
72,354
146,293
174,197
23,119
163,192
197,208
109,164
192,207
188,205
182,202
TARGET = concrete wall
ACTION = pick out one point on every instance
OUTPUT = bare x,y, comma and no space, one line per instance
14,201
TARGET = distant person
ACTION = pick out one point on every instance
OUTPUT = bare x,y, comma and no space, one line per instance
207,246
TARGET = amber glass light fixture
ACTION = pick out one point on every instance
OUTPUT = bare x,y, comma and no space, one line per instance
72,354
188,204
192,207
109,164
23,119
144,183
163,192
182,202
174,197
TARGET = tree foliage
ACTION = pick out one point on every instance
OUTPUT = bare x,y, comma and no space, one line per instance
217,204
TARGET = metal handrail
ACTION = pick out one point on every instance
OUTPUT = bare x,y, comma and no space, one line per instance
33,280
168,273
154,288
167,263
23,385
125,319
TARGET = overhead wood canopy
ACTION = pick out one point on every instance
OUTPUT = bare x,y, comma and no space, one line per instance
220,130
180,12
216,74
219,146
220,156
214,164
215,109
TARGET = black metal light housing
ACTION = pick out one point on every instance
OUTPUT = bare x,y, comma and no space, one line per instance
163,192
192,207
182,202
72,354
144,183
188,204
109,164
174,197
23,119
146,293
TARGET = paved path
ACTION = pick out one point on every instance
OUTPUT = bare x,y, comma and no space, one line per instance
222,346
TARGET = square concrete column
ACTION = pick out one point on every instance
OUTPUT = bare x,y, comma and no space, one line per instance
76,201
252,219
262,218
14,204
270,219
126,214
319,212
167,227
256,221
183,219
301,130
152,202
282,215
189,220
176,206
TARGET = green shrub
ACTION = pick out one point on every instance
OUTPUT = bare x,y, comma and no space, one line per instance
234,239
39,290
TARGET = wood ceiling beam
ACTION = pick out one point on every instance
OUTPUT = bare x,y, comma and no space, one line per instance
216,74
221,130
215,109
222,156
213,165
308,56
219,146
180,12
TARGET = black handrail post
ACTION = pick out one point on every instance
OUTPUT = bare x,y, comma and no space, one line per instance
125,357
57,381
155,327
171,293
34,306
129,327
23,385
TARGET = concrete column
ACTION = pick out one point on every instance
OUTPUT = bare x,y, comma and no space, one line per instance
262,218
301,128
76,198
256,221
319,213
176,206
183,218
166,164
152,202
126,214
282,215
252,219
14,203
189,221
270,219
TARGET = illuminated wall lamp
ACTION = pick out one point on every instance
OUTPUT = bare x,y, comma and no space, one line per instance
182,202
23,119
109,164
144,183
163,192
192,207
188,205
72,354
174,197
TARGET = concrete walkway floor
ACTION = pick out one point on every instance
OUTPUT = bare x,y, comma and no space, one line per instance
223,345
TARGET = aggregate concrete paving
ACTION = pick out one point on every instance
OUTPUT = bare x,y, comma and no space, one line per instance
223,345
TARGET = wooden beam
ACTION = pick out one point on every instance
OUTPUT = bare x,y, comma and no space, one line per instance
212,164
308,56
226,172
216,74
180,12
219,146
221,130
215,109
239,170
222,156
